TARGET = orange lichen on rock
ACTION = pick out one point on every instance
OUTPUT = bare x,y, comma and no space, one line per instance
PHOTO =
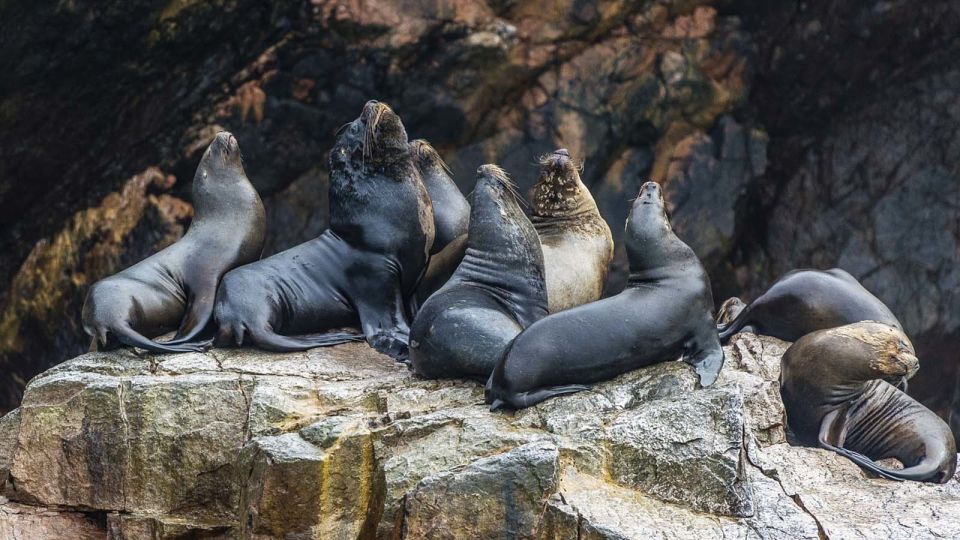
47,292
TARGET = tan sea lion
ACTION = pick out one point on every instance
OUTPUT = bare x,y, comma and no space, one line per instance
577,245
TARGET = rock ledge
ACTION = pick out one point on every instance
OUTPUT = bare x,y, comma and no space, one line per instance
344,443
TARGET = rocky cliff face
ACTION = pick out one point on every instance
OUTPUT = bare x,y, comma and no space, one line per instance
786,133
345,443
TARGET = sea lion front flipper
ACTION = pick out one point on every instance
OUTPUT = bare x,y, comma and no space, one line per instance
707,364
385,324
130,337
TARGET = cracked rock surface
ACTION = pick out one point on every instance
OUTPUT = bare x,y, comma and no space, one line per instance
345,443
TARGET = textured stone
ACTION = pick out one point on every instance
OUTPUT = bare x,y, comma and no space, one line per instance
685,449
9,432
343,442
497,497
22,522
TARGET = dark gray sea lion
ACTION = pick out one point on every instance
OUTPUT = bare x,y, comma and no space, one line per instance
362,271
451,217
577,245
835,391
803,301
175,288
497,291
665,313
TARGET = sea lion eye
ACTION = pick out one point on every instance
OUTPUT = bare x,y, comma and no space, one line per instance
204,173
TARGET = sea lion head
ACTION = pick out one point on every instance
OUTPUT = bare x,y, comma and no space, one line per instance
222,158
375,140
558,190
427,158
648,238
496,191
889,354
496,217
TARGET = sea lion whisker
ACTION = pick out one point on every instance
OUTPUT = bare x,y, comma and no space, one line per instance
376,123
503,178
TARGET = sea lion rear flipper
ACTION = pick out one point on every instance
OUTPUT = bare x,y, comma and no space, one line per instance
521,400
129,336
267,339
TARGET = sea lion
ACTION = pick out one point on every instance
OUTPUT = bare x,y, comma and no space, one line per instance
362,271
451,218
175,288
577,244
665,313
836,397
803,301
451,211
497,291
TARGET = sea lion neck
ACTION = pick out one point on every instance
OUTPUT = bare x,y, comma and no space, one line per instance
651,245
503,250
220,184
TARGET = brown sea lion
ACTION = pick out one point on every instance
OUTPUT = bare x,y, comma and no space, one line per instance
361,272
836,395
175,288
451,217
577,245
664,314
803,301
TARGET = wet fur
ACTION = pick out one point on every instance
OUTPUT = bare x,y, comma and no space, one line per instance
836,397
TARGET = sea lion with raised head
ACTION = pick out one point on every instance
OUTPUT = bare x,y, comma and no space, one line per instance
577,245
803,301
451,211
665,313
362,271
497,290
451,217
175,288
836,395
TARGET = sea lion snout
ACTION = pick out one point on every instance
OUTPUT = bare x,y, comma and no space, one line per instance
229,141
224,148
373,110
907,364
650,193
556,165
